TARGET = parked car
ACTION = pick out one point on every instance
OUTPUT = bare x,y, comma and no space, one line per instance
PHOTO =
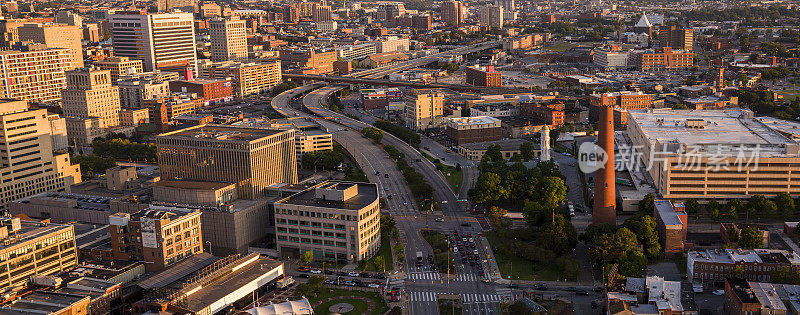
316,271
372,285
350,283
439,220
303,269
353,274
718,292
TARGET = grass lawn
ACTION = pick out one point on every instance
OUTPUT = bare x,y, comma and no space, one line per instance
561,47
386,252
789,95
453,177
325,293
519,268
359,307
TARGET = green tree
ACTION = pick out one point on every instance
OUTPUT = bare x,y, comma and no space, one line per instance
526,149
785,204
489,189
680,106
307,257
373,133
713,209
646,233
596,230
758,204
311,287
380,263
750,238
93,164
692,206
632,263
647,205
553,192
558,236
497,216
609,247
734,207
493,153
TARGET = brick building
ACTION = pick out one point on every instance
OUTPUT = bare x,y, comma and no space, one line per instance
483,76
211,90
473,129
158,236
717,264
671,221
626,100
664,58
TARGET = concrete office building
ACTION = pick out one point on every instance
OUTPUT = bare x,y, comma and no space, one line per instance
453,13
716,154
387,44
252,158
473,129
134,90
29,164
322,13
676,37
89,93
424,109
309,135
69,18
34,72
170,5
56,36
248,78
58,132
228,39
491,16
120,66
33,248
161,41
356,52
161,236
610,60
335,220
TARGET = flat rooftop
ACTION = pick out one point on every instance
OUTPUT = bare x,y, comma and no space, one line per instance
730,129
667,213
41,302
730,256
367,194
190,184
505,145
30,230
238,275
221,133
477,120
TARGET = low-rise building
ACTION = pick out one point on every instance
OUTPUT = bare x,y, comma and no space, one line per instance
120,66
508,148
664,58
671,221
49,249
211,90
473,129
749,297
356,52
611,60
134,116
496,111
160,236
483,76
248,78
757,265
337,221
383,59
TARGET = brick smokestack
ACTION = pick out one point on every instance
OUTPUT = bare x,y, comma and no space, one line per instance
605,197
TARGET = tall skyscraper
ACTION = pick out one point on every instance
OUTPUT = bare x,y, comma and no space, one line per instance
507,5
228,39
492,16
388,12
251,158
162,41
322,13
169,5
89,93
29,165
56,36
676,37
47,63
453,13
291,14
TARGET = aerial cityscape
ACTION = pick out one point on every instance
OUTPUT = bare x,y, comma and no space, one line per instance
399,157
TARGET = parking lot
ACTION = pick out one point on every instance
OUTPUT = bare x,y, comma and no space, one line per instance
346,278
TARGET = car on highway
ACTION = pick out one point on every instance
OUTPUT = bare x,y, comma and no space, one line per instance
316,271
303,269
540,286
439,220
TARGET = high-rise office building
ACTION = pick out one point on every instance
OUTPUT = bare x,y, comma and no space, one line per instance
492,16
56,36
169,5
507,5
161,41
89,93
388,12
48,64
453,13
120,66
34,248
68,17
291,14
676,37
251,158
322,13
228,39
29,165
248,78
